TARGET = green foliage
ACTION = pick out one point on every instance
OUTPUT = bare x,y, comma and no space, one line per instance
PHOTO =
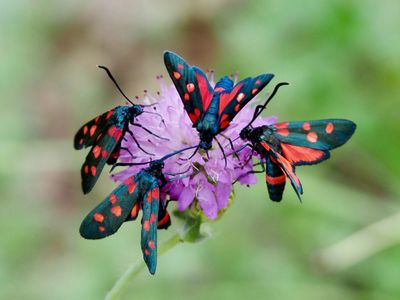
341,59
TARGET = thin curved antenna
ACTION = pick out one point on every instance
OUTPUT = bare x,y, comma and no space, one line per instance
115,82
177,152
148,162
154,113
262,107
222,150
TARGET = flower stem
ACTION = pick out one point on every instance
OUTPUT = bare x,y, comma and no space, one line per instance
123,282
360,245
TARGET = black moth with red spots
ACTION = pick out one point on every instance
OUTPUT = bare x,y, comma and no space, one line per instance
283,146
141,191
210,109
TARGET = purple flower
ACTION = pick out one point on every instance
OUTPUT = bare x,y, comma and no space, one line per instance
210,182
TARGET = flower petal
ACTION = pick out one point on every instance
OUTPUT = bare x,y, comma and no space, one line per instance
208,202
223,192
186,198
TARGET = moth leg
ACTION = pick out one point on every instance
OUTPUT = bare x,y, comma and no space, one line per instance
222,150
137,143
127,150
186,159
154,113
179,173
229,139
147,130
261,163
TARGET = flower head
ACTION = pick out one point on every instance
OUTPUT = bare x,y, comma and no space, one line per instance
203,177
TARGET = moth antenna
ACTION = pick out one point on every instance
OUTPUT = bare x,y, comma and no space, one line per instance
151,160
115,82
262,107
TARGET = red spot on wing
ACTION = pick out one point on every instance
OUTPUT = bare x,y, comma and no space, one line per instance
118,134
226,98
281,125
306,126
98,137
98,217
152,218
190,87
240,97
186,97
177,75
152,245
205,93
102,228
81,141
295,154
283,132
275,180
128,180
111,130
104,153
266,146
180,66
329,128
96,151
92,130
109,114
149,197
86,169
146,252
131,187
258,81
224,122
224,117
155,193
135,211
93,170
113,199
237,107
253,91
288,168
97,119
146,225
116,211
219,89
194,116
312,137
85,130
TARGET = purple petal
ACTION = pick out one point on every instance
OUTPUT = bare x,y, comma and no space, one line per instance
248,179
175,190
223,192
208,202
186,198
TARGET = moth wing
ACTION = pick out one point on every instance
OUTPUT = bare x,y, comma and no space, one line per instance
232,101
150,207
192,85
99,154
89,132
286,167
107,217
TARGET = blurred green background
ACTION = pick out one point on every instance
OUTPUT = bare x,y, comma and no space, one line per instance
342,60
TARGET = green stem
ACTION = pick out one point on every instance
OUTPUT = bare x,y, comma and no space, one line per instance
360,245
135,269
